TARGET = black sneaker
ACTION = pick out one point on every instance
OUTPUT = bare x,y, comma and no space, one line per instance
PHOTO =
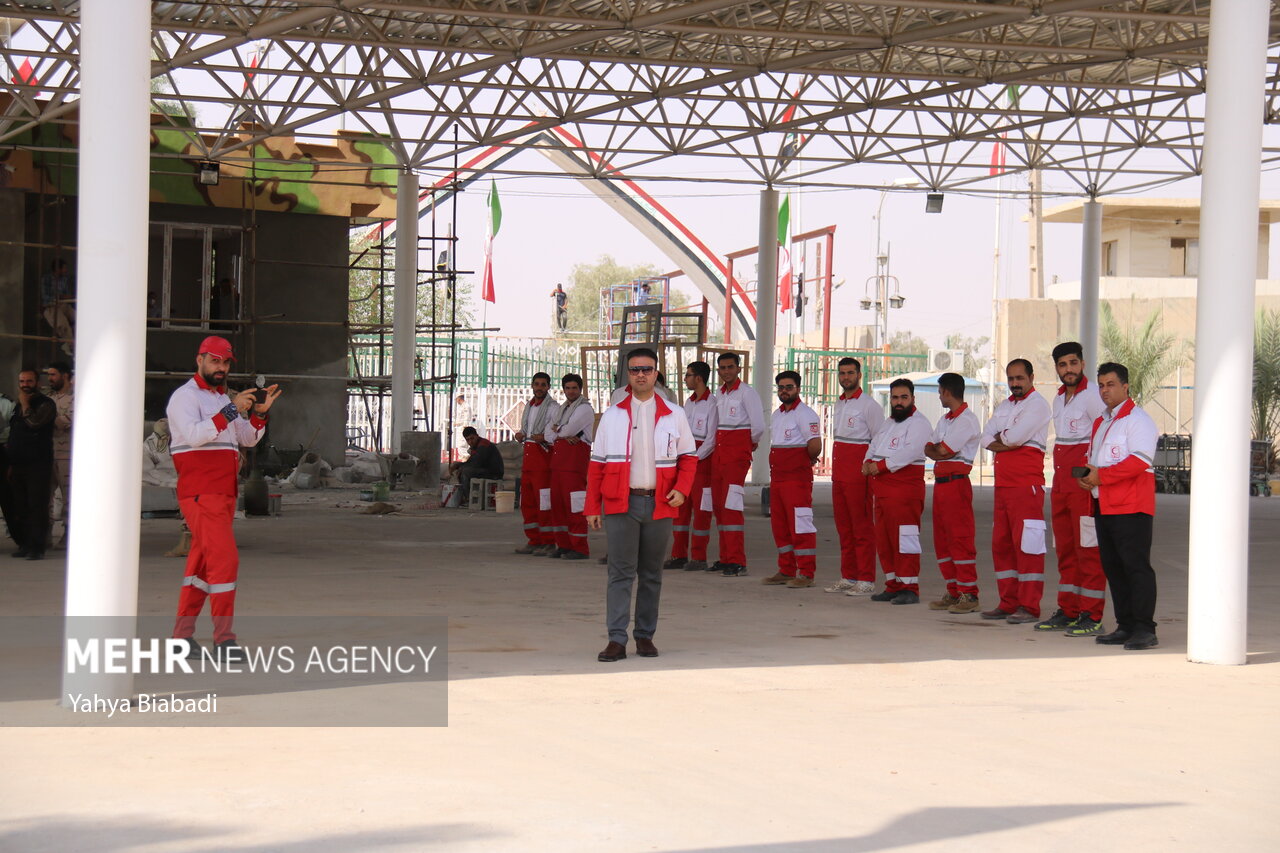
886,595
905,597
676,563
696,566
1059,621
717,566
229,651
733,570
566,554
195,651
1084,626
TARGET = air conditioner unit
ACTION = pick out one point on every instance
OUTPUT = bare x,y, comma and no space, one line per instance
946,360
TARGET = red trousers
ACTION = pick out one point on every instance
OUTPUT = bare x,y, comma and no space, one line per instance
791,512
569,495
851,500
692,529
727,478
954,534
212,565
1082,585
1017,547
897,523
535,497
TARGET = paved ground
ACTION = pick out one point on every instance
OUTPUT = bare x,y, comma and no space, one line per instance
775,719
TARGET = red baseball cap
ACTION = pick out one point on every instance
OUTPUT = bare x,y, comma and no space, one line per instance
216,346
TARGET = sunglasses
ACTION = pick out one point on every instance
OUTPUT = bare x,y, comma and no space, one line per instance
645,369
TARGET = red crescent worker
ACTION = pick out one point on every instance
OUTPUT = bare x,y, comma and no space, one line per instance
895,464
857,417
535,472
1082,585
208,428
1017,433
692,530
741,424
570,438
795,443
953,448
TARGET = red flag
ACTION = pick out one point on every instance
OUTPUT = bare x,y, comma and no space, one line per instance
26,74
486,286
997,156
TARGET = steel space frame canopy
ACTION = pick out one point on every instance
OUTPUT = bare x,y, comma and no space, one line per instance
1100,96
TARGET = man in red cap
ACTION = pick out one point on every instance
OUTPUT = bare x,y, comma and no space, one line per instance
207,429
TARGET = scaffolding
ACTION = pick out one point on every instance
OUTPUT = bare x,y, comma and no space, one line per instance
615,299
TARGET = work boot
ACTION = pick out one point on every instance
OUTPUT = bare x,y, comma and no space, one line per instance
1021,616
943,603
184,545
676,563
695,566
1059,621
967,604
996,613
776,579
527,549
544,551
800,582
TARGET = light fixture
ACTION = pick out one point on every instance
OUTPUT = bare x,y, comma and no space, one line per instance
896,300
209,173
933,203
866,304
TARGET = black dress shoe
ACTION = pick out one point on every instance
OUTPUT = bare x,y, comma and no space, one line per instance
905,597
675,563
734,570
884,595
1118,637
194,650
612,652
20,554
230,651
717,566
1140,640
35,555
645,647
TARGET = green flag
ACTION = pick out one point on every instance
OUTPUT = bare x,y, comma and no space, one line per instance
495,209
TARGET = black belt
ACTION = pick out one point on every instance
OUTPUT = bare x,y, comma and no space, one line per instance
949,478
644,493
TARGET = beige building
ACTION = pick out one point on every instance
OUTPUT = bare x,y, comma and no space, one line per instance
1150,263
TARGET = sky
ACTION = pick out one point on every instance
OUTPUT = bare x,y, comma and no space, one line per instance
944,262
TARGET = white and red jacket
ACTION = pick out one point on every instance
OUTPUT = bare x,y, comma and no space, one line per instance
703,419
898,451
957,432
856,419
609,474
791,429
741,418
1122,447
205,448
1072,428
1024,426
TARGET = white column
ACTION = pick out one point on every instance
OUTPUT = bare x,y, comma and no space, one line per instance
762,369
111,270
404,323
1090,271
1219,540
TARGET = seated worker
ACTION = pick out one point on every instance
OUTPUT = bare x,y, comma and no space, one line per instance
485,462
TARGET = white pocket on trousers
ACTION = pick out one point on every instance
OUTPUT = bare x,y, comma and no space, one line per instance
1088,532
804,520
577,501
733,500
1033,536
706,505
908,539
544,500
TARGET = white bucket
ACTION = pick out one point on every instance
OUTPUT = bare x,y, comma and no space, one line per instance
504,501
450,494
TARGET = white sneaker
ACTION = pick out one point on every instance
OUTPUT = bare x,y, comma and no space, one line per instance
862,588
841,585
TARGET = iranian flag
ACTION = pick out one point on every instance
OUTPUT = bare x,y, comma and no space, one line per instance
1011,96
495,222
784,255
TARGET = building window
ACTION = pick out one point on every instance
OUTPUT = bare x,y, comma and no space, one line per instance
194,276
1110,253
1184,256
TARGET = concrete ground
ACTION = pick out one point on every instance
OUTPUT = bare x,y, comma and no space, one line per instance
775,719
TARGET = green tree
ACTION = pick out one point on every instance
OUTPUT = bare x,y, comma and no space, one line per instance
1147,350
584,287
971,347
1266,374
372,281
904,342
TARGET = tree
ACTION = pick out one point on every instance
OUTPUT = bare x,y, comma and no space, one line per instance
970,347
904,342
585,285
1266,374
435,303
1150,353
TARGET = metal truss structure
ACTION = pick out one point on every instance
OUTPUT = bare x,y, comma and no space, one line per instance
1099,95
